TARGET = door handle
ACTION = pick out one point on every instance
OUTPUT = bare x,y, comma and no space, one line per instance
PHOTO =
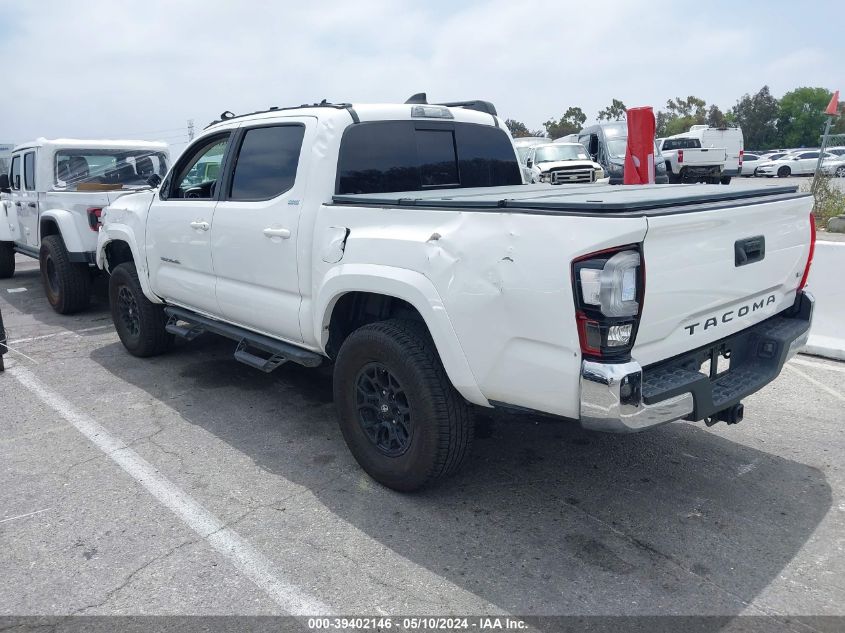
31,205
282,233
202,226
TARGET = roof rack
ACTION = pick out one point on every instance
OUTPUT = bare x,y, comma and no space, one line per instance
481,106
228,116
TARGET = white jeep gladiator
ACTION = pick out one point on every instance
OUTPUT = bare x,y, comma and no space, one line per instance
51,198
399,243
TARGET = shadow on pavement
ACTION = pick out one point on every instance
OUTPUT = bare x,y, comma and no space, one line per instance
34,303
545,518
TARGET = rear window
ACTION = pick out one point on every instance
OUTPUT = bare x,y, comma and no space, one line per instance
387,156
681,143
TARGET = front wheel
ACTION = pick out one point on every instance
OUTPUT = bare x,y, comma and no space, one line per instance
840,172
66,284
725,180
7,259
784,172
401,417
139,322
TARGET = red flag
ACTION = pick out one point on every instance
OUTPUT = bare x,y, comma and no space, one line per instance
833,106
639,153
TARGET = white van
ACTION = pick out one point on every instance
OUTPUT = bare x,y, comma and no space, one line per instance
730,138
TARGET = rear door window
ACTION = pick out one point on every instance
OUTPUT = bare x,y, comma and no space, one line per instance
29,171
266,164
386,156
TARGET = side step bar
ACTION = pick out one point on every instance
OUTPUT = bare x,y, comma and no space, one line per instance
255,350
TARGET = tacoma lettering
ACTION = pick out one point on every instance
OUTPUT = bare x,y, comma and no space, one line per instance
727,317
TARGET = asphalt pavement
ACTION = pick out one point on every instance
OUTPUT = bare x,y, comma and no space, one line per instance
192,484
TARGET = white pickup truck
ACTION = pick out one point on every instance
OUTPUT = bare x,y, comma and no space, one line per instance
51,198
399,243
688,161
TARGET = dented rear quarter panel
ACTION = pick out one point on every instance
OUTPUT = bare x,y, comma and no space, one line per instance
501,282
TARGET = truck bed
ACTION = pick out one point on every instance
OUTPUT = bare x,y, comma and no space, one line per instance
633,200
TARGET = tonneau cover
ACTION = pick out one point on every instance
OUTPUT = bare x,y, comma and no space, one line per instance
600,199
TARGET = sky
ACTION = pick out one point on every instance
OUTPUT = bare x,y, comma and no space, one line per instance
130,69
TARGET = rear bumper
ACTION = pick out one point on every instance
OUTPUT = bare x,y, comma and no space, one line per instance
625,397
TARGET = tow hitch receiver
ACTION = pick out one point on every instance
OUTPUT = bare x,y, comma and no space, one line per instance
731,415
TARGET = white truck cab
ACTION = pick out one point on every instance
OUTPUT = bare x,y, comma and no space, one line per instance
51,198
562,163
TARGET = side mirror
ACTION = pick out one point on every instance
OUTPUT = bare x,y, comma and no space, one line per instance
529,163
154,180
796,158
4,184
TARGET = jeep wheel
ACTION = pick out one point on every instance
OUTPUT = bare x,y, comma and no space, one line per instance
399,414
66,284
139,322
7,259
784,172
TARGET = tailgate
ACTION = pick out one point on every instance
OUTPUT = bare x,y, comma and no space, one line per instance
705,156
700,289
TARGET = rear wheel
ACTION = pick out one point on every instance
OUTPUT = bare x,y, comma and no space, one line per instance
840,172
7,259
725,180
784,172
139,322
66,284
400,416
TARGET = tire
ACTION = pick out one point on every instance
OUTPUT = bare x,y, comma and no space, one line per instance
839,173
437,434
66,284
784,172
139,322
7,260
725,180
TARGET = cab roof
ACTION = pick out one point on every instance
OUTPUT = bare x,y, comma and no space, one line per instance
74,143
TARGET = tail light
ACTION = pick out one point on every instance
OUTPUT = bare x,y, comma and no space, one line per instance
94,215
741,154
609,288
680,156
812,253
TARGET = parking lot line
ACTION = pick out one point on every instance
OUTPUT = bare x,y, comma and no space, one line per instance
226,541
817,383
23,516
818,365
62,333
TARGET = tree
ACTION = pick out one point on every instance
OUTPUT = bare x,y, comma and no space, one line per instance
801,118
572,121
518,128
715,117
757,116
681,114
614,112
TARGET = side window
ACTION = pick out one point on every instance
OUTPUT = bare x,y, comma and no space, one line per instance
16,173
810,155
29,171
266,163
196,174
378,157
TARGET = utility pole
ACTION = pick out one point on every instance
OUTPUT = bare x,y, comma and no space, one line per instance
832,112
190,129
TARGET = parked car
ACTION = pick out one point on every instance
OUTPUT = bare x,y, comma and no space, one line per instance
839,150
523,145
729,138
560,163
687,161
834,166
749,164
797,164
52,197
408,253
606,143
